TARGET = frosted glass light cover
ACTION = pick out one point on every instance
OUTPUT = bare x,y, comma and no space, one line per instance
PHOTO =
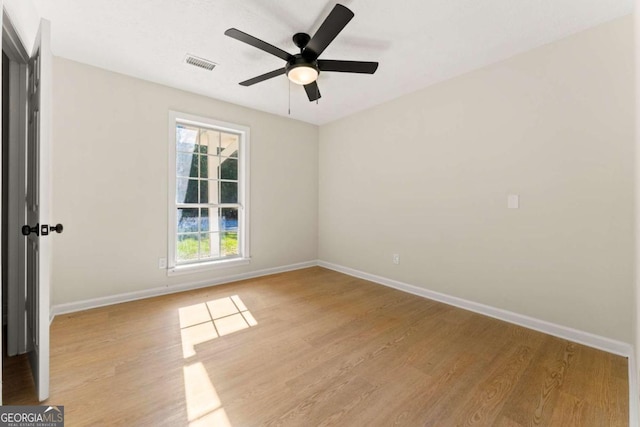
303,75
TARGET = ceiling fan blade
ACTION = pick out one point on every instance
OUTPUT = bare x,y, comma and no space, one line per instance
335,22
347,66
262,45
263,77
313,93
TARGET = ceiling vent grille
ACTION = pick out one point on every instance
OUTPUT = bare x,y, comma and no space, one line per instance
199,62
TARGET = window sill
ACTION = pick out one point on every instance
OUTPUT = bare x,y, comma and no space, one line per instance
206,266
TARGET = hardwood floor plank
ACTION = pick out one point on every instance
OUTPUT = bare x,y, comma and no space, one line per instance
572,412
495,386
436,399
532,401
599,384
316,347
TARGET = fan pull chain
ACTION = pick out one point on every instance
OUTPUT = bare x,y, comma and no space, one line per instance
289,97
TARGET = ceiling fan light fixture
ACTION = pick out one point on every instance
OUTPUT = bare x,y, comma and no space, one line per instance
304,68
302,74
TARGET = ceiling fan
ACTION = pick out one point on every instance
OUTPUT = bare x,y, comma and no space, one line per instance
303,68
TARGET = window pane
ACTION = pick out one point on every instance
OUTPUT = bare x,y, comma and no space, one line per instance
208,219
187,247
208,191
186,190
229,145
228,192
229,168
186,138
204,191
186,165
203,144
209,166
187,220
229,243
229,219
210,245
209,141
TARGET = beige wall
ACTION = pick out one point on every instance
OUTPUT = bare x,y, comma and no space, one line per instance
110,183
427,176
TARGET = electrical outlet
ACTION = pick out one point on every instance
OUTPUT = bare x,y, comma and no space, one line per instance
396,258
162,263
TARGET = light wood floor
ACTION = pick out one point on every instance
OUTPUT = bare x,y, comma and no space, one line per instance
315,347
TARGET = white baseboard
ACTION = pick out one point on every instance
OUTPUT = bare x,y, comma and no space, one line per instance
170,289
582,337
586,338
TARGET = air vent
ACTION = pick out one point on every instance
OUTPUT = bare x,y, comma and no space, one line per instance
199,62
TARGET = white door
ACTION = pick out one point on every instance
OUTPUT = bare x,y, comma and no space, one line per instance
37,204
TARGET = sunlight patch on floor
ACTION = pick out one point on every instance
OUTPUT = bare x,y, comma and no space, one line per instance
222,307
200,323
203,404
194,335
207,321
193,314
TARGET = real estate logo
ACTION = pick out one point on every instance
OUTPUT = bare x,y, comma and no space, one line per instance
32,416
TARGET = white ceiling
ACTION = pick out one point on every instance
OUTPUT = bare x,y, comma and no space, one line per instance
417,42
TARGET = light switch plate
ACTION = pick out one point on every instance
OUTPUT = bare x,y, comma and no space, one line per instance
513,201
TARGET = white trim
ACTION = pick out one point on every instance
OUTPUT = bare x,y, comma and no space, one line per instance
199,267
581,337
170,289
633,390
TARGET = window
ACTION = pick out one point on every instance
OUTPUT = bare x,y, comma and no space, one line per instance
208,193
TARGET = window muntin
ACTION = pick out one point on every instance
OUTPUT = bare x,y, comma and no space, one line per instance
208,201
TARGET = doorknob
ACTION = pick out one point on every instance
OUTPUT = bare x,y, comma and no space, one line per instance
26,230
57,228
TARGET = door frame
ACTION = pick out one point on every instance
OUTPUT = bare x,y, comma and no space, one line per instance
18,60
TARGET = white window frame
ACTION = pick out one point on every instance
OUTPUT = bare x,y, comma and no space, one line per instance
175,118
